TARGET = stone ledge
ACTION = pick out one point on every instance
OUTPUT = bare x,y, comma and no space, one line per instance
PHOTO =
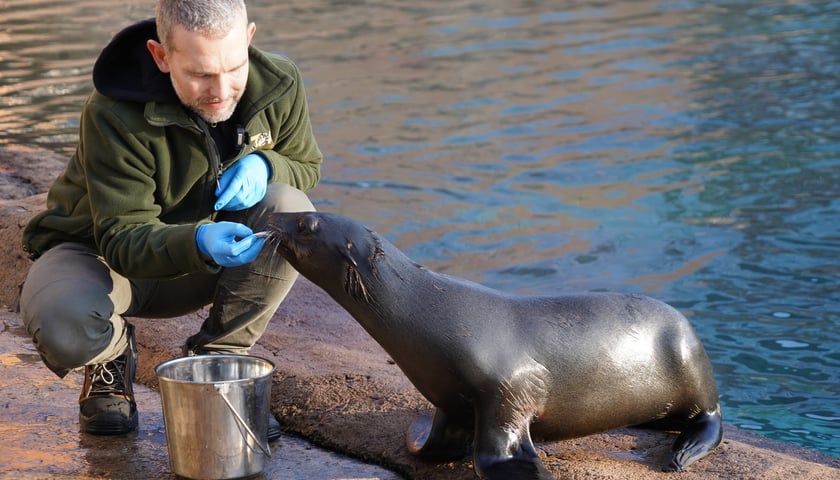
335,386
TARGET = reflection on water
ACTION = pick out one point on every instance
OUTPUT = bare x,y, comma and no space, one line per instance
683,149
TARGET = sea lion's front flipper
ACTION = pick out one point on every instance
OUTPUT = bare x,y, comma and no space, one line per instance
438,438
518,468
504,451
503,447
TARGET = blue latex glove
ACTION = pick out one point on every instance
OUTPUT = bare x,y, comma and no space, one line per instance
243,184
229,244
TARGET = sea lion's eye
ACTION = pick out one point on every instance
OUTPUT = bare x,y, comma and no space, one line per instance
307,225
349,245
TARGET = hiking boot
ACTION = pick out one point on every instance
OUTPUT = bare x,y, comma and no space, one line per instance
273,428
190,350
106,405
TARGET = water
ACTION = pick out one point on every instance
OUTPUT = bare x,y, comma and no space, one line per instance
686,150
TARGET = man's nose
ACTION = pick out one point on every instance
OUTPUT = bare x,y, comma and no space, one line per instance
220,87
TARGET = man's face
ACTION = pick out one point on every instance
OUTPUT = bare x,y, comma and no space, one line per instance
208,74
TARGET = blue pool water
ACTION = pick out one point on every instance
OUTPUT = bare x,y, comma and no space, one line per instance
686,150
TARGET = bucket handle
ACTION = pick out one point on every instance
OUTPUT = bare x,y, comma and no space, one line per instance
223,388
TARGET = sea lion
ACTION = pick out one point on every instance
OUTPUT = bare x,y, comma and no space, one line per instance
499,366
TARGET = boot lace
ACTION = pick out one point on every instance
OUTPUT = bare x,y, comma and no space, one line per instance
108,378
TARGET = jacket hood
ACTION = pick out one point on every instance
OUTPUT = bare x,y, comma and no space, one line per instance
125,69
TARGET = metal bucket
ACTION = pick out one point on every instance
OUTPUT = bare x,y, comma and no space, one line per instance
215,411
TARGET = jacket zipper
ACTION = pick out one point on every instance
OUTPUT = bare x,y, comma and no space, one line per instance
215,158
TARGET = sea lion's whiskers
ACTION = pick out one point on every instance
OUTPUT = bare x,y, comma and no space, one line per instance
272,240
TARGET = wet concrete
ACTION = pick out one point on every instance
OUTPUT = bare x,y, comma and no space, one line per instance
39,435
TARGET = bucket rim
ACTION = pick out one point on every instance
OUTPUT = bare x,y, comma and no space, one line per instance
216,356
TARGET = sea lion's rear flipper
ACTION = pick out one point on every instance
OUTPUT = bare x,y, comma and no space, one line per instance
699,437
438,438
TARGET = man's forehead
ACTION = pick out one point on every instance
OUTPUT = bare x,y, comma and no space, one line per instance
199,50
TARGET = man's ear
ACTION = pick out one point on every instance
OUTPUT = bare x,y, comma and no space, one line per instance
252,27
158,54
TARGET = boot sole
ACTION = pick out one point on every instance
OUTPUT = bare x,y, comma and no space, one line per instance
108,423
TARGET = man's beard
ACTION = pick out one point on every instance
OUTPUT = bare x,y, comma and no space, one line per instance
214,116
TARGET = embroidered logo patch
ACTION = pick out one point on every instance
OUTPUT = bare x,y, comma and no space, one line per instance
261,139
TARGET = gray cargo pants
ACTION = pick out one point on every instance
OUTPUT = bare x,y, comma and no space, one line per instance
74,305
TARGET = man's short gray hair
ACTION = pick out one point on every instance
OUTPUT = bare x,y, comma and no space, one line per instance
214,18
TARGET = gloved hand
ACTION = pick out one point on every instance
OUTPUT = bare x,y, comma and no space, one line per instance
243,184
219,242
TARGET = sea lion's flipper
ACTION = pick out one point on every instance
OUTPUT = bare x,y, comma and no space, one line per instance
438,438
503,447
698,438
502,454
518,468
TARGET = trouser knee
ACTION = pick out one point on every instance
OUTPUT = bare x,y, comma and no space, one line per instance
69,334
282,197
67,308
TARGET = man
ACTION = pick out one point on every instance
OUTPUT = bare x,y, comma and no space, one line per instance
189,141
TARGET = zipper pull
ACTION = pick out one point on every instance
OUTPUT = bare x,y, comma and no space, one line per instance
218,178
241,136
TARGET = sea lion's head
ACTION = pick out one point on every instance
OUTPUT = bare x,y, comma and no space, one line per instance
324,246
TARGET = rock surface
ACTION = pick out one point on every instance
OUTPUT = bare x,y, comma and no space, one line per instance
336,387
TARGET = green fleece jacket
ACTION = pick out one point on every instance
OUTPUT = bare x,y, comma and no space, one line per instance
143,176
